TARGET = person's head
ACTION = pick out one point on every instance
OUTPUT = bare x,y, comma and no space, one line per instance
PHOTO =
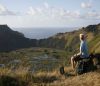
82,37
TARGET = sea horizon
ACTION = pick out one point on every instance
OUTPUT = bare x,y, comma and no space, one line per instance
43,32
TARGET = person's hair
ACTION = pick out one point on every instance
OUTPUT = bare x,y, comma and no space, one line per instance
82,36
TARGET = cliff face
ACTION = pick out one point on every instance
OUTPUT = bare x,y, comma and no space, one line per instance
11,40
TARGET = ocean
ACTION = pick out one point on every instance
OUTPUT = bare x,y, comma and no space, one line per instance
40,33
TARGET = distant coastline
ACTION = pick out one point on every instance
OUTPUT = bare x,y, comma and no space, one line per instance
40,33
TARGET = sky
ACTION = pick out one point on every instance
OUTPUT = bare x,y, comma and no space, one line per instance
49,13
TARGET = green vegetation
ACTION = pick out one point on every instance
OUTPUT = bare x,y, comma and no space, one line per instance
24,56
19,74
27,65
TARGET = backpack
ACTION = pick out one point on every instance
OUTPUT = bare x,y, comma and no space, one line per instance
84,66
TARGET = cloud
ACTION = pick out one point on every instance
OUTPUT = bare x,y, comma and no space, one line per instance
46,5
92,15
47,15
31,11
73,14
86,5
5,11
50,16
52,12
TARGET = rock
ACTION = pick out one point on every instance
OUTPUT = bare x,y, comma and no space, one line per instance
2,65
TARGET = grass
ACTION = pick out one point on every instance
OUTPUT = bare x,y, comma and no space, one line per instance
25,55
22,77
94,44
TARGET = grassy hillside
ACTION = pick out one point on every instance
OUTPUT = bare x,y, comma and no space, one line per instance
70,40
38,58
31,66
39,66
22,77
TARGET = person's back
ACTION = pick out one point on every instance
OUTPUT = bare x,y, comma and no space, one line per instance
84,49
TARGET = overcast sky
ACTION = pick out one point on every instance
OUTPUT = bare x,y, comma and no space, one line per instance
49,13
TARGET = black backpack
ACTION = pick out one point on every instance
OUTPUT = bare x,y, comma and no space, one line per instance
83,66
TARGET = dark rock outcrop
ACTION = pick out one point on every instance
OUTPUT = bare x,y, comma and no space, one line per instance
11,40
